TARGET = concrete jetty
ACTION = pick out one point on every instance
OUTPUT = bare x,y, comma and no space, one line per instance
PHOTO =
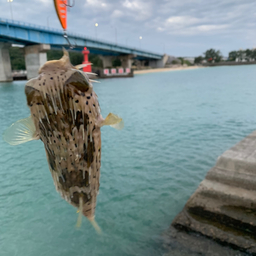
220,217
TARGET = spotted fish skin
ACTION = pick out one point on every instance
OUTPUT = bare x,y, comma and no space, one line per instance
66,115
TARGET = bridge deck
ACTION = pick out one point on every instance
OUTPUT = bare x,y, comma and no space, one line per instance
28,34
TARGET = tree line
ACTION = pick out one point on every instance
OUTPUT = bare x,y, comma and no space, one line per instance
17,58
243,55
213,55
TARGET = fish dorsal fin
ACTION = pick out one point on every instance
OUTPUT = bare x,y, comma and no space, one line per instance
20,132
63,63
65,57
114,121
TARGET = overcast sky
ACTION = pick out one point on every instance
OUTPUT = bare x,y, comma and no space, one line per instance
176,27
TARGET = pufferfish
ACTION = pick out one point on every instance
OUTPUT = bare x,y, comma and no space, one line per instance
65,116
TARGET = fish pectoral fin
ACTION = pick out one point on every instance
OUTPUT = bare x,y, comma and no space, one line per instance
114,121
20,132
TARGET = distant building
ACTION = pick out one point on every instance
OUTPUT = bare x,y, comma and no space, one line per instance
190,59
171,59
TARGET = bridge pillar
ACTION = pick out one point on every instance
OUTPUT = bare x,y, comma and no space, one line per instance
35,57
127,60
106,61
159,63
5,63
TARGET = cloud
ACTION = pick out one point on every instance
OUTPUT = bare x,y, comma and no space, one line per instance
210,28
96,3
117,14
181,21
139,10
188,25
228,24
199,18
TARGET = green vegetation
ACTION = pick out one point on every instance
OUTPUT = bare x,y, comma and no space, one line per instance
232,56
242,55
116,63
17,58
54,54
175,62
75,57
95,60
212,55
198,60
187,62
183,61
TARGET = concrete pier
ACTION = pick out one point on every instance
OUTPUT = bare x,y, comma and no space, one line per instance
106,61
220,217
35,57
5,63
159,63
127,60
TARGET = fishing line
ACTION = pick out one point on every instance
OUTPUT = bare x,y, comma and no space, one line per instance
61,10
69,43
69,5
65,34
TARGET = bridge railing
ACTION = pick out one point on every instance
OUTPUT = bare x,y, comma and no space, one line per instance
77,35
22,23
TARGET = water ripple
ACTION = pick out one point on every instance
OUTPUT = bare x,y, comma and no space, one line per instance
176,124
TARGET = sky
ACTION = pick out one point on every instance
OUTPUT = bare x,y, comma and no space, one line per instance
177,27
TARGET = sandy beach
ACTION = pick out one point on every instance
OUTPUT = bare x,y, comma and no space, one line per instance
155,70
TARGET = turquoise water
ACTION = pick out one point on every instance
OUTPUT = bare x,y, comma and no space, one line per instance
176,125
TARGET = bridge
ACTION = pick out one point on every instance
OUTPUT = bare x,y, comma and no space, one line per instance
37,40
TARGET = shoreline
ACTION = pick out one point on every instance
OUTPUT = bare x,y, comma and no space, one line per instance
156,70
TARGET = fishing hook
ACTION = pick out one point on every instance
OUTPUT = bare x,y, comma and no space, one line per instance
68,4
66,37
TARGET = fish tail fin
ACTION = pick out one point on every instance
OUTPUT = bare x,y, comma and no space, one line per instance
114,121
95,225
